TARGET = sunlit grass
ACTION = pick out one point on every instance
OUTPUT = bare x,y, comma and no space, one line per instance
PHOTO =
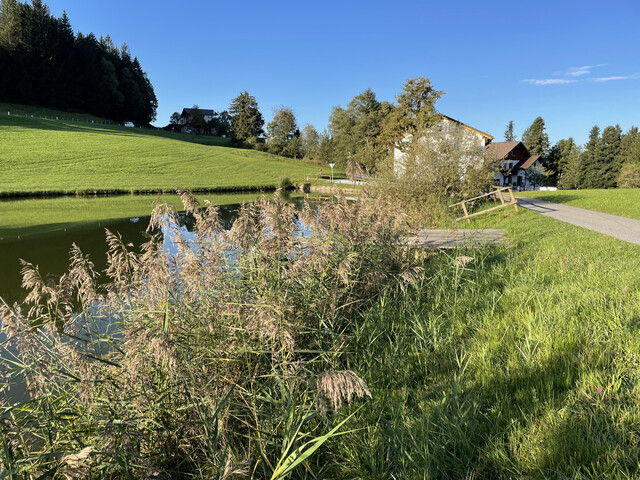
620,201
42,155
524,364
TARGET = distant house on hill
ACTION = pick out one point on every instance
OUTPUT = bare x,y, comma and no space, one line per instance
516,163
449,129
186,115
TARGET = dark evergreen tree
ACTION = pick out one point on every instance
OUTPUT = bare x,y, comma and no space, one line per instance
509,136
43,63
536,139
589,171
246,119
630,146
567,158
610,161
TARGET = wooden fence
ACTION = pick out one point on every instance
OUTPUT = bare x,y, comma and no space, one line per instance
496,193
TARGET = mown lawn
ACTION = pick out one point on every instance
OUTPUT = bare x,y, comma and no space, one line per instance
524,364
621,201
42,155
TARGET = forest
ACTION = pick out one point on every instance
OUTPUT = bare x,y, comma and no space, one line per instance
42,62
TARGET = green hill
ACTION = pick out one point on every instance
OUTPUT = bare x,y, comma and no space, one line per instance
62,156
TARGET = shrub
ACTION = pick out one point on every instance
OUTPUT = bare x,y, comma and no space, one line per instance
434,171
285,183
629,176
206,354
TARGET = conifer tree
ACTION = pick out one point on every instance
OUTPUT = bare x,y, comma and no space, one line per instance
610,161
535,138
509,136
246,119
589,174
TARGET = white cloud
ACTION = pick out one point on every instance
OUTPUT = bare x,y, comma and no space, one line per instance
549,81
579,71
620,77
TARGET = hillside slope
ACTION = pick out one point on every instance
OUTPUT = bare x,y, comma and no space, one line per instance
43,155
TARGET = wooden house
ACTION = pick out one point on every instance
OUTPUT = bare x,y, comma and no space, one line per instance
515,162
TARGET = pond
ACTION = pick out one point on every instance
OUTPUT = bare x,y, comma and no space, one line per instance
42,231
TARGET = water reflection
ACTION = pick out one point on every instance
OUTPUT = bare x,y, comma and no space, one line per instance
50,252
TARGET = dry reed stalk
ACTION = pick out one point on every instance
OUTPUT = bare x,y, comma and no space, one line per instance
195,314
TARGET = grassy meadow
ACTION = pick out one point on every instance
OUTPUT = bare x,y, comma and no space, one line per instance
619,201
41,156
523,364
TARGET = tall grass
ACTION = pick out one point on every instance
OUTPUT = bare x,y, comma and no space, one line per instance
205,355
265,353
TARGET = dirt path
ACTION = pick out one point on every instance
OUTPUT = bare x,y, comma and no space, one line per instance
623,228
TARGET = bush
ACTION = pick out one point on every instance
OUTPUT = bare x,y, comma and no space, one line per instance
434,172
205,355
286,183
629,176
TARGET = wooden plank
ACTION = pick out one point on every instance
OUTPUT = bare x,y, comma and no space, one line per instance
513,199
484,211
454,238
466,214
480,196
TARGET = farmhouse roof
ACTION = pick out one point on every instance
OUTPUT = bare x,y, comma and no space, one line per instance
204,111
501,149
530,161
464,125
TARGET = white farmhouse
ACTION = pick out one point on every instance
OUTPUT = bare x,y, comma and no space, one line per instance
514,160
469,139
515,164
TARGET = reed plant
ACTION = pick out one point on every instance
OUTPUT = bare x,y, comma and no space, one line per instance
207,354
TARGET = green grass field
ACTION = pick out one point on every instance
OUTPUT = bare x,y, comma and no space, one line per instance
43,155
524,364
622,202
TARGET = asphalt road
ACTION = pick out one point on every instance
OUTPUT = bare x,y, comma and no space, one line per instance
623,228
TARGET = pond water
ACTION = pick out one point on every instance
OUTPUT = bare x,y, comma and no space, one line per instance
51,226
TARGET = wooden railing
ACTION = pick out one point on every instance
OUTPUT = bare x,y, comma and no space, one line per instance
497,193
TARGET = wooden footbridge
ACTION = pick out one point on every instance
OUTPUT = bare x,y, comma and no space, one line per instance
454,238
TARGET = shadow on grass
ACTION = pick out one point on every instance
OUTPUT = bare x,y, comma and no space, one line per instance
88,127
457,397
558,198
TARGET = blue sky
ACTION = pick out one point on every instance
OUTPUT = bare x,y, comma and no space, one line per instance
575,63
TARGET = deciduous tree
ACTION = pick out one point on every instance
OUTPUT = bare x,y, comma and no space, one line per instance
281,131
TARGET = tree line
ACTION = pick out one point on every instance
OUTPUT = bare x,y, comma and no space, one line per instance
360,136
609,159
43,63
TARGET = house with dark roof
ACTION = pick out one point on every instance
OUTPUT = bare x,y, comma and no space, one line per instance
516,163
186,116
